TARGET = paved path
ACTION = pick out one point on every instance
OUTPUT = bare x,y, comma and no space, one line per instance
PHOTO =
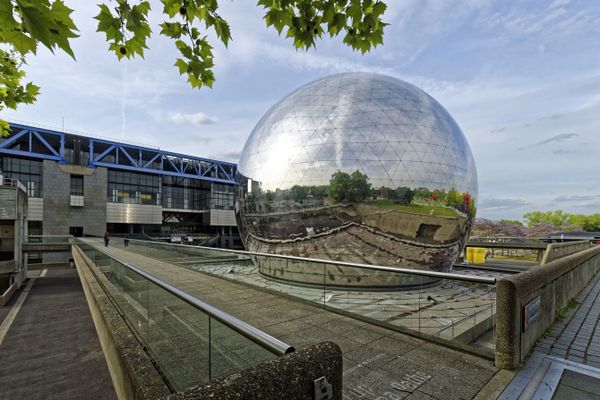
51,351
378,363
569,354
576,336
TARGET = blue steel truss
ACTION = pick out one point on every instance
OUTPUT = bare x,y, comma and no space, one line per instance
34,142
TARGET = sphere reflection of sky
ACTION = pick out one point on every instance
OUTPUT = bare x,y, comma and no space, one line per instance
389,130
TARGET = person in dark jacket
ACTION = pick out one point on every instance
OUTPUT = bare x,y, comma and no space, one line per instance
106,239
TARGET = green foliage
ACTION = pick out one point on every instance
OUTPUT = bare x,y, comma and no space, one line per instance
360,188
185,18
435,210
24,24
353,187
306,20
564,221
454,199
127,29
401,195
339,187
422,193
319,192
511,222
404,195
298,193
12,90
557,218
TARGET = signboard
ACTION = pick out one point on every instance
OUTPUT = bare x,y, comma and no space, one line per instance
531,312
175,238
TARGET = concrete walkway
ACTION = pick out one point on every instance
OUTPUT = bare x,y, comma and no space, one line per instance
378,363
51,350
565,363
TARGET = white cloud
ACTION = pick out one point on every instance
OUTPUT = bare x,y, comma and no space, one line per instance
557,18
197,119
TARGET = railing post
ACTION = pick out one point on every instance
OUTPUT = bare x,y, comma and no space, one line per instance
209,348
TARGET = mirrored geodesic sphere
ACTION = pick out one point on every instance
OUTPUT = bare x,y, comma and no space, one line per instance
357,167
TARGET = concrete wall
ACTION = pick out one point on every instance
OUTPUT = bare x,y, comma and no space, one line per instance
132,371
554,251
291,377
556,283
59,215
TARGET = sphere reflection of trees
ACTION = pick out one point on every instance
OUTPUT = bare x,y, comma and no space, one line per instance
361,168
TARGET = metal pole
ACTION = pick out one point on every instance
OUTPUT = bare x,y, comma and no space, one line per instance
209,349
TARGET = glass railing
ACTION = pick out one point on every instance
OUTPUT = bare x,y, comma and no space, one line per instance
49,239
454,308
190,341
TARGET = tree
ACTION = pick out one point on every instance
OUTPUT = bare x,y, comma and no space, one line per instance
422,193
591,223
404,195
454,199
25,24
298,193
360,188
353,187
557,218
339,186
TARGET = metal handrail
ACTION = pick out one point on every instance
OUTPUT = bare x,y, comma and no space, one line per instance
432,274
259,337
37,236
464,318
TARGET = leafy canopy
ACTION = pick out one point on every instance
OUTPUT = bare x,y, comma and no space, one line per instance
560,219
345,187
25,24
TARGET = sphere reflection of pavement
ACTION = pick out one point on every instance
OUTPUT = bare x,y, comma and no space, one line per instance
430,310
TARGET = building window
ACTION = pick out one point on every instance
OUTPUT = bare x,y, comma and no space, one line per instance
76,185
28,172
185,193
133,188
222,196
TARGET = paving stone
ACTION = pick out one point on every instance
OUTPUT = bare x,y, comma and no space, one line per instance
48,353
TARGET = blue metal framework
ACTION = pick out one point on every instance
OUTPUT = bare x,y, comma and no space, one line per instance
29,141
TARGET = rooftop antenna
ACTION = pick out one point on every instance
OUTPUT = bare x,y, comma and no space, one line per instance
63,123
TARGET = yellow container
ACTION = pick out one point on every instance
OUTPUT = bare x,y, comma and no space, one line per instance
478,255
469,254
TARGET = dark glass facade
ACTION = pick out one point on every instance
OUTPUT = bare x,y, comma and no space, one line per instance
222,196
28,172
184,193
133,188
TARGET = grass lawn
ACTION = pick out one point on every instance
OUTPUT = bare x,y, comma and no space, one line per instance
416,209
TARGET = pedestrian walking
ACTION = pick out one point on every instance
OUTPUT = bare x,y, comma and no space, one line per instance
126,242
106,239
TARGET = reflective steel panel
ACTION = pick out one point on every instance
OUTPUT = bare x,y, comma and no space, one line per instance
357,167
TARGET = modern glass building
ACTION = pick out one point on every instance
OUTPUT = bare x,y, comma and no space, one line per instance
84,185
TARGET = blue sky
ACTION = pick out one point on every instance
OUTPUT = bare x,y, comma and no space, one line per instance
521,78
